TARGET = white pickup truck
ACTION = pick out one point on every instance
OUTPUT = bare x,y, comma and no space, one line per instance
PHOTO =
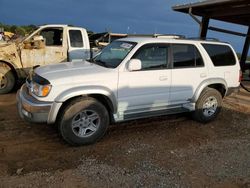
131,78
46,45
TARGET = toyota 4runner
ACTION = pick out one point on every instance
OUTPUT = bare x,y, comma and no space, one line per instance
131,78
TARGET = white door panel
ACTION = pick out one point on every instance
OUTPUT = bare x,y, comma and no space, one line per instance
78,46
187,73
146,89
185,82
143,89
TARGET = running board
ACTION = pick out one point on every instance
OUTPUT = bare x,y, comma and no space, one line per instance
148,114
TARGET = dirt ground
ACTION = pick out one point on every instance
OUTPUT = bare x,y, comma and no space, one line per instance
168,151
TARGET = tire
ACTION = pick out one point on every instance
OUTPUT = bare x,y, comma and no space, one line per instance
76,121
7,79
208,106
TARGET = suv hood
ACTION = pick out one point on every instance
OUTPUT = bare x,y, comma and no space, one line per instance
71,72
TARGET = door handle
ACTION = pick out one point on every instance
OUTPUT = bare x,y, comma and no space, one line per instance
203,75
163,78
59,53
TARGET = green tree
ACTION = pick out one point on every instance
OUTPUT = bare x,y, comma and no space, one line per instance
13,29
20,31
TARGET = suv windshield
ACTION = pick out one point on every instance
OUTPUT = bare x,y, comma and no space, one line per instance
112,55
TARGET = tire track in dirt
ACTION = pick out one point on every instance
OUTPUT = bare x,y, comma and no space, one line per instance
170,146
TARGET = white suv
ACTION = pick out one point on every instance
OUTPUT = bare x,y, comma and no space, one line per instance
130,79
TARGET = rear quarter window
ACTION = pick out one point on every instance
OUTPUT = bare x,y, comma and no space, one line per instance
221,55
75,38
186,56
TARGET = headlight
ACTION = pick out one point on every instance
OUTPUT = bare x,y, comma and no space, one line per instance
40,90
38,85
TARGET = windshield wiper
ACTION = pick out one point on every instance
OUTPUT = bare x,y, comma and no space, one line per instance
91,60
99,62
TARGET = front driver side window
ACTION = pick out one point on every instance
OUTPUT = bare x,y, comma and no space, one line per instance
52,36
153,56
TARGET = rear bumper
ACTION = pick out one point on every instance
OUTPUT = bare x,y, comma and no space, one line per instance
30,108
232,90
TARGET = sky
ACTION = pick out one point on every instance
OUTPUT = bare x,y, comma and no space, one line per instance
123,16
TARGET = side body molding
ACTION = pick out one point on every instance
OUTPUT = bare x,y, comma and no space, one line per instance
206,83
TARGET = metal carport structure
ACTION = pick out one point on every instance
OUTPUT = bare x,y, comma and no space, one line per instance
232,11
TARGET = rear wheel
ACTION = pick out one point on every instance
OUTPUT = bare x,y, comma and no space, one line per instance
208,105
7,79
83,121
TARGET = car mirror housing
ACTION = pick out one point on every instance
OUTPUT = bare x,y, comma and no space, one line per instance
134,65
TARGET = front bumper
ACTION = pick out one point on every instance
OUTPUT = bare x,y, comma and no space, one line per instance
30,108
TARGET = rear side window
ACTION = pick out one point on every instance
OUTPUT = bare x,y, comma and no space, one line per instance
221,55
186,56
75,38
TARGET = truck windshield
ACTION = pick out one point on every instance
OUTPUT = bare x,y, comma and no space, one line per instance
112,55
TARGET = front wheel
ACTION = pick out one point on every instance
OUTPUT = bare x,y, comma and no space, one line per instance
83,121
208,105
7,79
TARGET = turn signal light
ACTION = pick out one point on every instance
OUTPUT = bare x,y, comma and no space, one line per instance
45,90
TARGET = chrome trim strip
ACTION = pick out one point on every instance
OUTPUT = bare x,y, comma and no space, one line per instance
149,112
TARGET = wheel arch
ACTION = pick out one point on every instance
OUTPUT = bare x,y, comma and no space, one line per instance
106,102
216,83
13,69
219,87
107,98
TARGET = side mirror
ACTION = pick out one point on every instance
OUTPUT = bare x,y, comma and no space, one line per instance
134,65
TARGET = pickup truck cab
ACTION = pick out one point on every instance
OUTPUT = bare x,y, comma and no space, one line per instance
131,78
46,45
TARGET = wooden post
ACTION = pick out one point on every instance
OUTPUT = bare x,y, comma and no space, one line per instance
204,27
245,51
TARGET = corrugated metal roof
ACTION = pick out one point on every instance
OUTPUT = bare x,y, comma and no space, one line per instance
201,3
234,11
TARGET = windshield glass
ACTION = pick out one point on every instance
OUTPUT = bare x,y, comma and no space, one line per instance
112,55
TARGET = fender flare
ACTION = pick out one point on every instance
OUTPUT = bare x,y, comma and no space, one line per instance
87,90
206,83
79,91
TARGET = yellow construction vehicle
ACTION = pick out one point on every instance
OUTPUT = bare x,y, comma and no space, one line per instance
8,35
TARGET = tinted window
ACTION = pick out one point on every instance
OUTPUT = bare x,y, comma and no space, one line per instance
75,38
220,55
153,56
52,36
185,56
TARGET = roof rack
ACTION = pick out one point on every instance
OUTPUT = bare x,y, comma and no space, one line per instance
205,39
170,36
167,36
